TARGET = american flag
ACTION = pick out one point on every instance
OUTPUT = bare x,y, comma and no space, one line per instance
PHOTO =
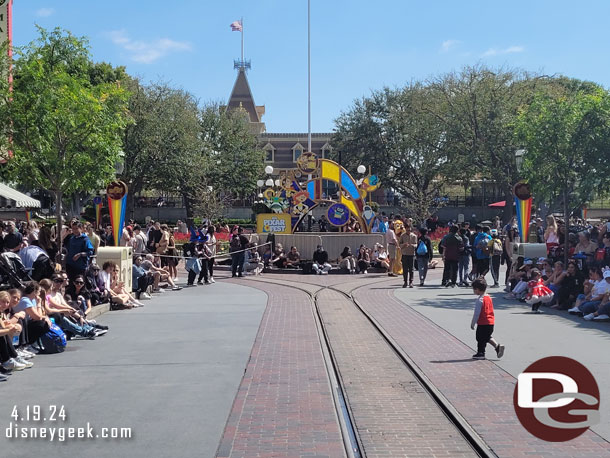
236,26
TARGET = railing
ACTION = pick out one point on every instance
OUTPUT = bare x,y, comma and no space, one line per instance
165,201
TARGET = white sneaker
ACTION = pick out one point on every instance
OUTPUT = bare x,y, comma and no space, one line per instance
100,332
24,353
365,272
26,363
212,280
13,365
145,296
601,317
574,310
589,317
160,290
31,349
324,272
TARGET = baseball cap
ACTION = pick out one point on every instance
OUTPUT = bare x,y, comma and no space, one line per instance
494,232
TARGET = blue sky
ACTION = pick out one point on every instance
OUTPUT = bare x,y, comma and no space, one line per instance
357,45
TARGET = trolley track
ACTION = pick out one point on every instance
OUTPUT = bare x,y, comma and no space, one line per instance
347,417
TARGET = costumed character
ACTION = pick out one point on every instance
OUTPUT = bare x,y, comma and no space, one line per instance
399,229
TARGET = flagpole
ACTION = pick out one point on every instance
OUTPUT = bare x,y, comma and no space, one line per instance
309,75
242,40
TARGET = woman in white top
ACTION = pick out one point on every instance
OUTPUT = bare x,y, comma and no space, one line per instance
212,244
551,234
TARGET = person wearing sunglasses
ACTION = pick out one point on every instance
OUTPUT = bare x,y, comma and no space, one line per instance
77,293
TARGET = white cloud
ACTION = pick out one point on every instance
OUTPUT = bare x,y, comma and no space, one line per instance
45,12
449,44
146,52
496,52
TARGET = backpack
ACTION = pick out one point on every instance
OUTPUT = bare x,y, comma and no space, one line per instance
422,249
53,341
497,247
483,245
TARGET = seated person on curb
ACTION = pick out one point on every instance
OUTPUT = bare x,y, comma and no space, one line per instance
278,258
364,259
603,311
55,306
95,285
569,289
159,273
590,303
522,275
293,258
141,280
347,261
118,294
18,318
9,357
37,324
78,296
380,258
253,262
320,264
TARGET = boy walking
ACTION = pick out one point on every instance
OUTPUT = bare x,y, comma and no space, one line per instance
483,318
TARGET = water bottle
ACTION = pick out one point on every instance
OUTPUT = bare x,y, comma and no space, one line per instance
15,340
52,320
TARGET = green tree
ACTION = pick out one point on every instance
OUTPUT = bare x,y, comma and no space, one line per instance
567,142
65,130
397,133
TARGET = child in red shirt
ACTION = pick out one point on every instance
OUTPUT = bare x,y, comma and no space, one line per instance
484,319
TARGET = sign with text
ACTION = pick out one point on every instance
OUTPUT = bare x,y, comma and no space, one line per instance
275,223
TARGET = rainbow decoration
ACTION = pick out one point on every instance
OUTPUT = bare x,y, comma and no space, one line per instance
117,204
28,216
524,214
98,215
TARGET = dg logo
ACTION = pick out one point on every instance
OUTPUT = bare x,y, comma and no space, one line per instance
556,399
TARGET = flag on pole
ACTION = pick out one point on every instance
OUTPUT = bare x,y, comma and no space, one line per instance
236,26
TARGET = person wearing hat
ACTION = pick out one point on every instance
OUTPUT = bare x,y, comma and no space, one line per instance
495,251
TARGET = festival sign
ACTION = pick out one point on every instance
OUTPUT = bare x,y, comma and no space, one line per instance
267,223
338,215
117,204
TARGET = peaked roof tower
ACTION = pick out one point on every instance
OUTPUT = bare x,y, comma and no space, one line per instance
241,97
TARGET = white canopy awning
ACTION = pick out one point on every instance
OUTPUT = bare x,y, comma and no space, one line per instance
9,197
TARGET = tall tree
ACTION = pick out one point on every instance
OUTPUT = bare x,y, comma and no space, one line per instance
65,129
567,143
396,131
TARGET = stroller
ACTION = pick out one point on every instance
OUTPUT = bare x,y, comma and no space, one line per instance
13,273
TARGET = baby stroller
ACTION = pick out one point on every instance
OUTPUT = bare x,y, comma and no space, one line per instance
13,273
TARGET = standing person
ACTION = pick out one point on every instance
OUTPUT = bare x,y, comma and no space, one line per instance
481,248
383,223
464,261
212,245
484,320
392,241
154,237
452,248
93,237
171,259
234,246
551,235
424,254
507,253
138,241
478,229
408,245
78,251
495,250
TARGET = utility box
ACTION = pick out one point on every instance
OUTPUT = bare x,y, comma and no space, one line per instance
122,256
529,250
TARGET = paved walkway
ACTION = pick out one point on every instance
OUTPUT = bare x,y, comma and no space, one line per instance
284,406
169,371
480,390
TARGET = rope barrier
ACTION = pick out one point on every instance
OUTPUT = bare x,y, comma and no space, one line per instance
222,255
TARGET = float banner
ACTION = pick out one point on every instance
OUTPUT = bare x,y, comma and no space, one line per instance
276,223
524,214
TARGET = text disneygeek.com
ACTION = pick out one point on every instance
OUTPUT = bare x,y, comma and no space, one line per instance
18,430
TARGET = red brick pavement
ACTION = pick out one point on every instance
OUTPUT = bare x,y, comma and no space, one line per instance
284,406
393,415
480,390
